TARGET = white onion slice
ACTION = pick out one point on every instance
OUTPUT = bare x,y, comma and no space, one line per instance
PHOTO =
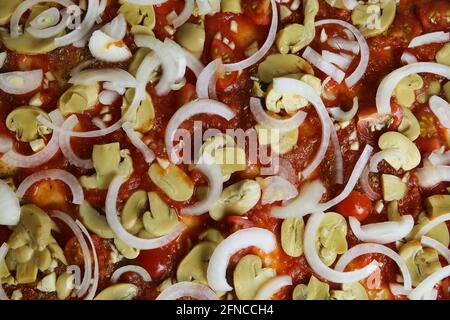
187,289
432,175
83,65
117,76
21,161
149,155
365,185
6,143
350,4
320,63
344,44
213,173
206,78
431,224
124,235
436,245
339,60
390,82
131,268
208,6
366,248
408,58
241,65
21,82
317,264
267,121
193,63
10,213
39,31
105,48
293,86
146,2
428,284
381,155
441,109
46,18
95,278
439,158
364,52
277,188
107,97
84,286
117,28
398,289
3,56
383,232
341,116
55,174
189,110
184,16
428,38
3,252
217,267
66,148
325,92
272,286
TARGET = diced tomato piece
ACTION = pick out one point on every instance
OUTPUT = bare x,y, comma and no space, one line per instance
404,29
355,205
259,11
226,54
186,94
435,15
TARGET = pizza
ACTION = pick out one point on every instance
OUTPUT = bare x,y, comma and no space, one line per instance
220,150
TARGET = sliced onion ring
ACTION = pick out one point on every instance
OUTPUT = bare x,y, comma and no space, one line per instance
441,109
432,175
428,284
323,65
342,116
187,289
431,224
381,155
184,16
95,279
21,82
55,174
428,38
272,286
10,213
436,245
206,78
365,185
131,268
149,155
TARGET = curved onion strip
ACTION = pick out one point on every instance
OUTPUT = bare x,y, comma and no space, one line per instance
131,268
439,158
10,213
398,289
55,174
317,264
107,97
85,283
293,86
267,121
390,82
350,4
341,116
146,2
365,185
21,161
46,18
428,284
383,232
272,286
66,148
149,155
325,94
276,188
344,44
6,144
213,173
184,16
3,252
238,66
49,32
24,7
366,248
189,110
21,82
431,224
381,155
83,29
217,267
340,60
432,175
117,76
187,289
436,245
193,63
339,159
323,65
408,58
96,277
433,37
441,109
80,67
365,53
117,28
206,77
124,235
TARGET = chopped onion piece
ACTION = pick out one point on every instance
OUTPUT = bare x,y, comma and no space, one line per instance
398,289
117,76
428,284
194,64
44,29
428,38
343,44
206,80
107,97
350,4
381,155
408,57
83,65
184,15
272,286
124,235
186,289
390,82
317,264
131,268
342,116
276,188
439,158
106,48
441,109
149,155
339,60
436,245
3,56
431,224
21,82
267,121
325,94
366,248
3,252
6,144
383,232
217,267
432,175
117,28
320,63
365,185
10,213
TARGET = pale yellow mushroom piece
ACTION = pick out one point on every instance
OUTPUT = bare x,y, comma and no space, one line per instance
249,276
125,250
65,285
236,199
409,126
336,4
393,187
194,265
315,290
395,140
175,183
443,55
212,235
37,224
289,37
23,122
161,219
26,272
44,259
280,142
142,119
191,36
292,230
108,161
138,57
331,237
439,233
95,221
120,291
374,18
137,14
405,92
231,6
278,65
22,254
135,207
447,90
78,99
421,262
7,8
350,291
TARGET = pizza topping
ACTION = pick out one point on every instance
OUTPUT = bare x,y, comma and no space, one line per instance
175,183
10,214
315,290
66,148
194,265
187,289
331,237
272,286
106,48
428,284
443,55
276,188
410,154
436,245
138,143
441,109
350,291
161,219
21,82
130,268
94,221
191,37
434,37
292,230
374,19
78,99
323,65
120,291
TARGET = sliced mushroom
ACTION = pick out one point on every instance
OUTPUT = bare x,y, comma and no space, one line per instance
249,276
23,122
331,237
438,204
125,250
142,119
194,265
315,290
350,291
443,55
44,260
212,235
447,90
38,226
175,183
439,233
138,14
231,6
405,92
292,230
161,219
7,8
395,140
47,283
120,291
94,221
64,285
290,37
280,142
278,65
393,187
135,207
191,36
78,99
374,19
409,126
